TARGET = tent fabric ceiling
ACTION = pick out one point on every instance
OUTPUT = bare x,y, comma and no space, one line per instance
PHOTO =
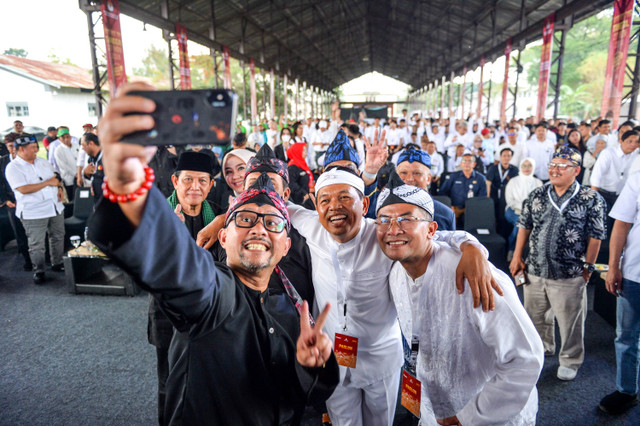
330,42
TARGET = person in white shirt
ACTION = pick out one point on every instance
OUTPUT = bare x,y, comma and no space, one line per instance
38,192
394,137
611,170
437,136
272,134
516,146
374,132
322,139
351,273
437,163
66,155
460,135
623,281
473,368
541,149
604,129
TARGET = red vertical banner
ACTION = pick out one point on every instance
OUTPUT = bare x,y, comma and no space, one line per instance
227,67
616,62
185,70
505,84
113,40
545,66
254,98
464,84
272,94
480,90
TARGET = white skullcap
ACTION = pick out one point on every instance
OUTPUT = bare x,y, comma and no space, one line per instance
322,124
337,176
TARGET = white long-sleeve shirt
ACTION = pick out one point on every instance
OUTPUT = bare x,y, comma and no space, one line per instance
359,270
542,152
66,159
612,169
480,367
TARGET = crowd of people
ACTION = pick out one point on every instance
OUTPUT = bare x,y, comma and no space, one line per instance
352,223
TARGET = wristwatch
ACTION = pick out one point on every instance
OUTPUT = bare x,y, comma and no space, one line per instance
590,267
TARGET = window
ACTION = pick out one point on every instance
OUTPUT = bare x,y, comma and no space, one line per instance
17,109
92,109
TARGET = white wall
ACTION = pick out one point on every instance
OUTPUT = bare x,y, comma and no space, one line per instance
48,106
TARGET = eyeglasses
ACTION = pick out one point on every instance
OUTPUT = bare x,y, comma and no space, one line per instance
561,167
511,133
404,222
248,219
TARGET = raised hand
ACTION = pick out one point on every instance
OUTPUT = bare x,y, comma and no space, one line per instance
178,212
376,155
314,346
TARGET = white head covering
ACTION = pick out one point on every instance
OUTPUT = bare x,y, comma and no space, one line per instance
521,186
243,154
337,176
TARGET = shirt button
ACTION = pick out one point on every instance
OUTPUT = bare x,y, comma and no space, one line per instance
271,330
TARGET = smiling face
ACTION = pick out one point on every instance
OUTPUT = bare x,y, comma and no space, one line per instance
28,153
416,174
562,178
192,187
340,211
234,172
253,249
526,168
410,243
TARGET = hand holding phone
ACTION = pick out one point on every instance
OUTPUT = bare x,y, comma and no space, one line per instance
188,117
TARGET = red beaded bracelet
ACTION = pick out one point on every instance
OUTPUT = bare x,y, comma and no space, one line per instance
125,198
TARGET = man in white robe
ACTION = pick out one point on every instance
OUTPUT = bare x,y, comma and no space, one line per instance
474,368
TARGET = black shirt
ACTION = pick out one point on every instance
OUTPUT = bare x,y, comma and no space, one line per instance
498,185
234,360
194,224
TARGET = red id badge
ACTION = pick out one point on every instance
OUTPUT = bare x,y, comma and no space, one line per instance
346,350
411,388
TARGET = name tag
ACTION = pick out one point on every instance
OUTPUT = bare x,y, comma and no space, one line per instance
346,350
411,392
457,182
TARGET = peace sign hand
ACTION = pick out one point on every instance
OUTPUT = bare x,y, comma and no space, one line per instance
314,346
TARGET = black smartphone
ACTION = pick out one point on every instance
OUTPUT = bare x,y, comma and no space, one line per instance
189,117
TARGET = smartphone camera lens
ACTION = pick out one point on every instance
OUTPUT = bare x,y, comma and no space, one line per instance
217,100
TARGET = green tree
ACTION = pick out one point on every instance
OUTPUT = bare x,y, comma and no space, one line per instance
16,52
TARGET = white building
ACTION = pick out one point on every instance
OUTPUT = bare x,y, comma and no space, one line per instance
44,94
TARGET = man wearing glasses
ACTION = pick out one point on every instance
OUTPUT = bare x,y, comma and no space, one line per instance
495,382
564,223
516,147
241,354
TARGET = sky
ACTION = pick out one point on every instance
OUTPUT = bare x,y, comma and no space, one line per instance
59,27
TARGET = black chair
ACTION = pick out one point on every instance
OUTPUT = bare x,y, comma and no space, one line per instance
82,209
480,221
443,199
6,231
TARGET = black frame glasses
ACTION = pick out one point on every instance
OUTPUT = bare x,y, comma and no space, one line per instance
248,219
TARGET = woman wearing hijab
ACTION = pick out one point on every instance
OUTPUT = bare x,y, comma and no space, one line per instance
574,139
301,179
231,182
518,190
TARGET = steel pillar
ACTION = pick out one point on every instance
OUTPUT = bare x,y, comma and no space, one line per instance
632,74
557,59
98,71
514,92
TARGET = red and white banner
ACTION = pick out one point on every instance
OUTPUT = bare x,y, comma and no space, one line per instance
227,67
185,70
545,66
254,98
272,94
505,84
464,83
480,90
113,40
616,62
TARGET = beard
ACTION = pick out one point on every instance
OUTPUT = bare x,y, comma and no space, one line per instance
253,265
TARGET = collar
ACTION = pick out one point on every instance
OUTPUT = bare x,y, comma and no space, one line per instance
619,151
